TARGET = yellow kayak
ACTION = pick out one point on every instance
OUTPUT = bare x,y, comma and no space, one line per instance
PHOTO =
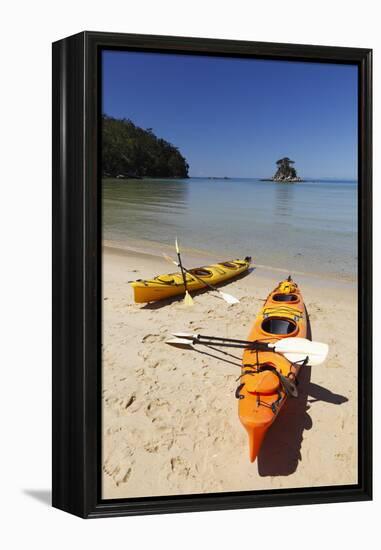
172,284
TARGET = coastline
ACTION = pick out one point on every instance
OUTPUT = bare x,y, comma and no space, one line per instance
196,256
273,223
173,412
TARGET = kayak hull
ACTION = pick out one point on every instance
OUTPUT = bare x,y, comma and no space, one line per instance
283,315
172,284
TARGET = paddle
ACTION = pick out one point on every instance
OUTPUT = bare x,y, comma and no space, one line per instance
188,300
294,349
224,295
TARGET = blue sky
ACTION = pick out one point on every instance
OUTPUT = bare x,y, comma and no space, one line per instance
236,117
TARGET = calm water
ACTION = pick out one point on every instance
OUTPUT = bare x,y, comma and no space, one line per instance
310,227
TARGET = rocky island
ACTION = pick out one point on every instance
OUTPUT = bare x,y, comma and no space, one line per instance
286,173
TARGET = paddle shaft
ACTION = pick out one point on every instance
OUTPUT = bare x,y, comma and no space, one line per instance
199,278
259,346
223,339
180,264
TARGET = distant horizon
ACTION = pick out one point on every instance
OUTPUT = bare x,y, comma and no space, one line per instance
228,115
213,176
304,178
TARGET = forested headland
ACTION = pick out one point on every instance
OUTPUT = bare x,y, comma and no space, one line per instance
130,151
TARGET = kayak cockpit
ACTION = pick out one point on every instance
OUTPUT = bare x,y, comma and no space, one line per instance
285,298
201,272
279,326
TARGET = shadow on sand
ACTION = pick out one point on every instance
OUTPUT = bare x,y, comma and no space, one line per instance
280,452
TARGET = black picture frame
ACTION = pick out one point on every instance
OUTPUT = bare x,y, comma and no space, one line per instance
77,275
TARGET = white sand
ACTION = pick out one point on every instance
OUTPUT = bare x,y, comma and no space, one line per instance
170,417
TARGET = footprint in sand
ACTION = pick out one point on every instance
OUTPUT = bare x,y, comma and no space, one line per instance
123,477
153,364
120,404
143,354
179,468
155,407
158,412
153,338
119,466
139,372
164,443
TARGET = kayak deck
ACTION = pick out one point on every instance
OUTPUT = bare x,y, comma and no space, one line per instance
261,393
172,284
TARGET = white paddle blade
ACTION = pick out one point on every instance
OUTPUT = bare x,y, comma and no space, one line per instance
180,343
188,300
300,358
301,347
169,259
291,344
229,298
296,358
184,335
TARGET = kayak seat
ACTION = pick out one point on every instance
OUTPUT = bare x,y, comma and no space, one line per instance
278,325
285,298
265,382
201,272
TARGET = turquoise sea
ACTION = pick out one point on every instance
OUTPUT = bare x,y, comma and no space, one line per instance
307,227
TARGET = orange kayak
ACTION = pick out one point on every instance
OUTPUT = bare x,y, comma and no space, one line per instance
261,391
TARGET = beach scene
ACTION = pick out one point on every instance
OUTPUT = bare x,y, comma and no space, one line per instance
210,163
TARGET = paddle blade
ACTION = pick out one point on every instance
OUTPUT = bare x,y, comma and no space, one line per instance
188,300
187,335
229,298
180,343
177,246
169,259
297,349
297,358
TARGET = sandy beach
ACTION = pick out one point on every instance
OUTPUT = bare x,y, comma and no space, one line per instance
170,423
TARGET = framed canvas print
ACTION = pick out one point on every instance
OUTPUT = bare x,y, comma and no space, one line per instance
212,274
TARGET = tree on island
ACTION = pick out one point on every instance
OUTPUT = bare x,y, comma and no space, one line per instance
130,151
285,171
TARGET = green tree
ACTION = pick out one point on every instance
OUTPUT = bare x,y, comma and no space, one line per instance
131,151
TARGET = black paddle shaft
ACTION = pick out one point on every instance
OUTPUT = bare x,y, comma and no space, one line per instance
230,343
195,276
182,271
223,339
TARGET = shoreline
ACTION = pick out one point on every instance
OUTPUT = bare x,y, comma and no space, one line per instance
156,250
170,422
